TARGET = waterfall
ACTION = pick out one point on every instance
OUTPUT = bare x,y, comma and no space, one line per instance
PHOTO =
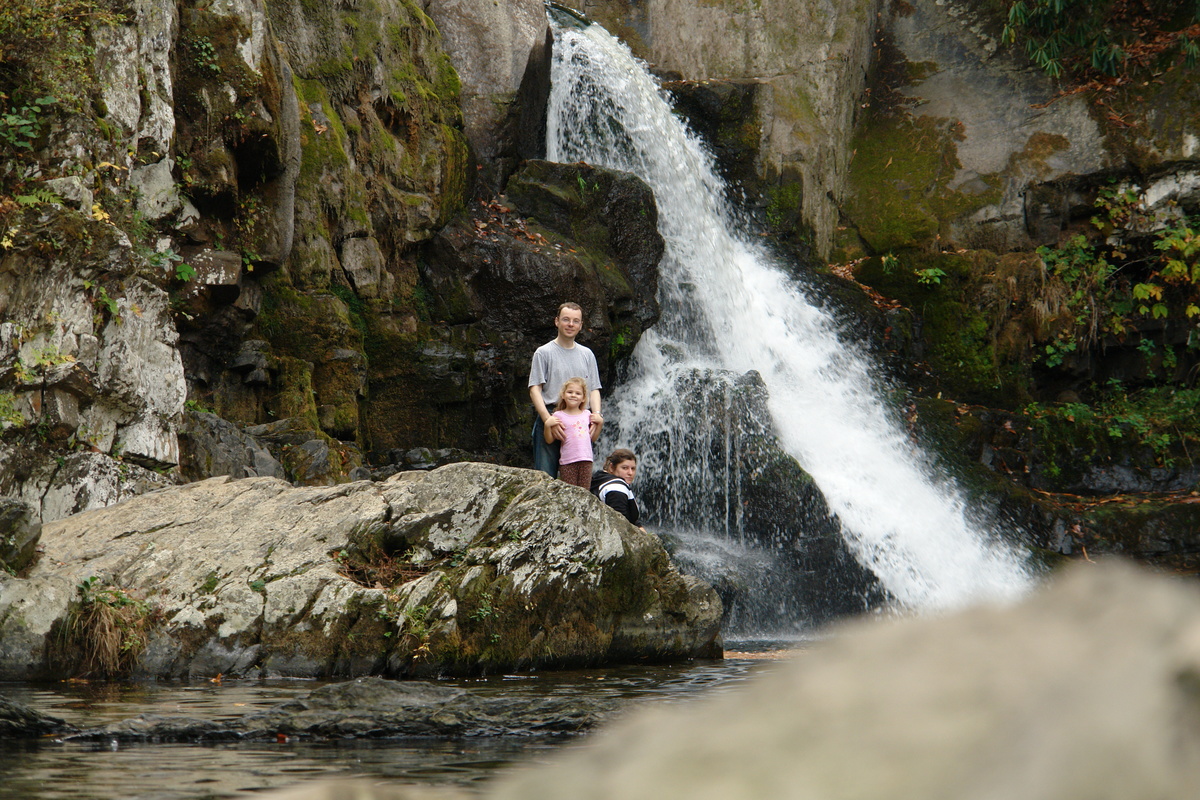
728,310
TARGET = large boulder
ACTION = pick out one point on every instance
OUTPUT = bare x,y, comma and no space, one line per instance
463,569
1085,690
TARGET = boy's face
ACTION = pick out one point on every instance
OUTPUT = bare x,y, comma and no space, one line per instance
569,321
626,470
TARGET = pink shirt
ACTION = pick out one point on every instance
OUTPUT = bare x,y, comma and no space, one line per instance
578,444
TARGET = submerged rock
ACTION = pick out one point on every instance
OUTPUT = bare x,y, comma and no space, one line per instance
374,708
467,568
19,721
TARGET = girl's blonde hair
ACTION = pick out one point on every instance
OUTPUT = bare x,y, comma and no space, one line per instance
559,404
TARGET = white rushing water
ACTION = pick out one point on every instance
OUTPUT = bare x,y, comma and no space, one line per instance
727,307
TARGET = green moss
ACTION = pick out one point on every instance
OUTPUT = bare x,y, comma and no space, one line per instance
783,204
355,307
962,314
210,583
963,355
293,397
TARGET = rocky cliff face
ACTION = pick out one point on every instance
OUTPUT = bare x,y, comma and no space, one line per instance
242,215
1025,223
307,240
804,65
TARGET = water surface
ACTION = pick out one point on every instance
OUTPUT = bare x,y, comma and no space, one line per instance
53,770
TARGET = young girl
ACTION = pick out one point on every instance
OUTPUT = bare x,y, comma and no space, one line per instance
575,459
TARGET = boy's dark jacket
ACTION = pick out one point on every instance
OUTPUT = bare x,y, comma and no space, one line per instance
616,493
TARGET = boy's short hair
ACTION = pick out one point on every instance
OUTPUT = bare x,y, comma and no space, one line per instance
572,306
618,456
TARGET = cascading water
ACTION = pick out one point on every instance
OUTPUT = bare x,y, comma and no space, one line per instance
727,310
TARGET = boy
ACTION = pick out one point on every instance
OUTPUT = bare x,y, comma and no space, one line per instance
553,363
612,485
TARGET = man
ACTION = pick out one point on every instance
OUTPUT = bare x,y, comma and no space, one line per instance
553,363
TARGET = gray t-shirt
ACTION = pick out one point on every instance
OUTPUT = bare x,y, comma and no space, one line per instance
553,364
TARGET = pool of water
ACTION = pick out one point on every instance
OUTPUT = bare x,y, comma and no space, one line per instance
48,769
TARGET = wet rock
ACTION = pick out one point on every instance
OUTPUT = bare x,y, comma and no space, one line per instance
213,447
372,708
18,721
463,569
782,558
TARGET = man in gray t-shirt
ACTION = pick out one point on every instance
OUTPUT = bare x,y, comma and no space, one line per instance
553,363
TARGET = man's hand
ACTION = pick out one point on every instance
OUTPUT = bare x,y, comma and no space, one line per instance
555,426
597,422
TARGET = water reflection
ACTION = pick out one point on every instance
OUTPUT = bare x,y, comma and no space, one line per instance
50,770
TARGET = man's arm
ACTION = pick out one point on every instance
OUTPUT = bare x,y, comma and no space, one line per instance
597,421
553,425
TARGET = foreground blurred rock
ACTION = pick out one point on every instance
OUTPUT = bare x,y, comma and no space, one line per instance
1087,689
467,568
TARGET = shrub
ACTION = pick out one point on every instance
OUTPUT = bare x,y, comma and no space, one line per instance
45,60
1102,36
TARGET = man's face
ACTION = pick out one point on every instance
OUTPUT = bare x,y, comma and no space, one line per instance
568,322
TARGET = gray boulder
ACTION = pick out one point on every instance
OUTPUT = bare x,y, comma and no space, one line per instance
212,446
467,568
1085,690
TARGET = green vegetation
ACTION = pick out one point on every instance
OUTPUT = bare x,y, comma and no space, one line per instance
20,126
9,414
107,630
45,58
1086,38
1113,285
1154,427
45,69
